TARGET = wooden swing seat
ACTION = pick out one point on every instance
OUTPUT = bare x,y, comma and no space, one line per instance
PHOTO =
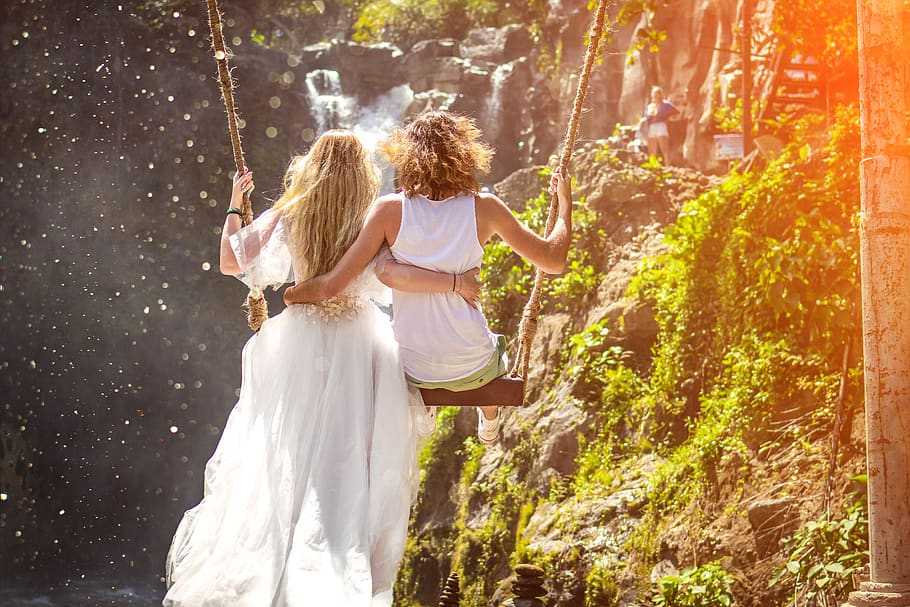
504,391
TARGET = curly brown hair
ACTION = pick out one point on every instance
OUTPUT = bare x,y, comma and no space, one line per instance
438,153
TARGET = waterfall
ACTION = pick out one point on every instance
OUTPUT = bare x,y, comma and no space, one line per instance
332,109
494,103
376,121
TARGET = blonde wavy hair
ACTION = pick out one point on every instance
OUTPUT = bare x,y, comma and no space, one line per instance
438,153
326,196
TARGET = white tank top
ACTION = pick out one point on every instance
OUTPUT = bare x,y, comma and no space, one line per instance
441,337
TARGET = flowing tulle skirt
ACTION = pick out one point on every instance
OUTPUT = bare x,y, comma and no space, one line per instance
307,494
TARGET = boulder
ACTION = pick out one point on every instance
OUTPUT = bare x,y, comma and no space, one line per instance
559,447
521,186
772,519
316,56
368,69
448,74
430,100
427,50
497,45
546,349
440,73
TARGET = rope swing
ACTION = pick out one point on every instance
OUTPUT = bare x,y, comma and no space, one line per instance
256,306
527,329
510,391
506,391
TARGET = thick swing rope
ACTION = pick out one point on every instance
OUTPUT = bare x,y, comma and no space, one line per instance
256,306
528,327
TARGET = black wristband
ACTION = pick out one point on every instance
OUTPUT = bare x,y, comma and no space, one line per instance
235,211
454,276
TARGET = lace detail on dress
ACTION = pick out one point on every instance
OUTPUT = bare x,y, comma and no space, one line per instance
343,307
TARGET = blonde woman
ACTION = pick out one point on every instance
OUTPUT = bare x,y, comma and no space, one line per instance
307,494
657,115
440,221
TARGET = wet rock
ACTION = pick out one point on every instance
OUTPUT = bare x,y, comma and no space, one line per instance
661,569
432,49
771,520
317,56
521,186
560,430
369,68
497,45
505,114
432,99
446,74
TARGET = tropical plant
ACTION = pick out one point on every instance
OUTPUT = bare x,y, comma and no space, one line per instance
709,585
823,556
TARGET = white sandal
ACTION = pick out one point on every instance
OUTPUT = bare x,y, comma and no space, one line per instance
488,429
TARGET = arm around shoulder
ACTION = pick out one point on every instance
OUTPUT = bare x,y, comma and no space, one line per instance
380,219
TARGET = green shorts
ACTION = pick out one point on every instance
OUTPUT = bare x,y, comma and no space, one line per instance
496,367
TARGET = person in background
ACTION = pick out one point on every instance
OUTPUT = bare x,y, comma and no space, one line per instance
676,126
657,115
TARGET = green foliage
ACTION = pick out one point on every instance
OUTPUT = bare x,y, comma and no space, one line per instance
283,24
591,354
496,539
647,37
434,449
601,589
508,279
823,556
439,459
729,119
405,22
753,300
823,29
705,586
766,257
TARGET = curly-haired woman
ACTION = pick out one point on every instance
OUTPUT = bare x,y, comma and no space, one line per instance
440,221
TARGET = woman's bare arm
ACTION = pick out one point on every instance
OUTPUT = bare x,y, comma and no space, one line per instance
381,226
243,182
352,263
228,261
405,277
547,253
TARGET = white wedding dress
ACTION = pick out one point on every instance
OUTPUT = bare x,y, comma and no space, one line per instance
308,492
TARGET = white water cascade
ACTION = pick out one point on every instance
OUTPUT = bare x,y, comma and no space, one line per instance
494,102
332,109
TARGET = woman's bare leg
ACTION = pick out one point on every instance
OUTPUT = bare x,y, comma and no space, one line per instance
653,146
489,412
664,145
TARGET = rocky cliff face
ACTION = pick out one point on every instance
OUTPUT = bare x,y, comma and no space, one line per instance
520,87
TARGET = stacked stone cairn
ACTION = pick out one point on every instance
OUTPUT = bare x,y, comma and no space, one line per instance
451,594
527,588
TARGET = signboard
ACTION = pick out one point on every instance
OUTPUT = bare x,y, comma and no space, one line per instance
728,146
